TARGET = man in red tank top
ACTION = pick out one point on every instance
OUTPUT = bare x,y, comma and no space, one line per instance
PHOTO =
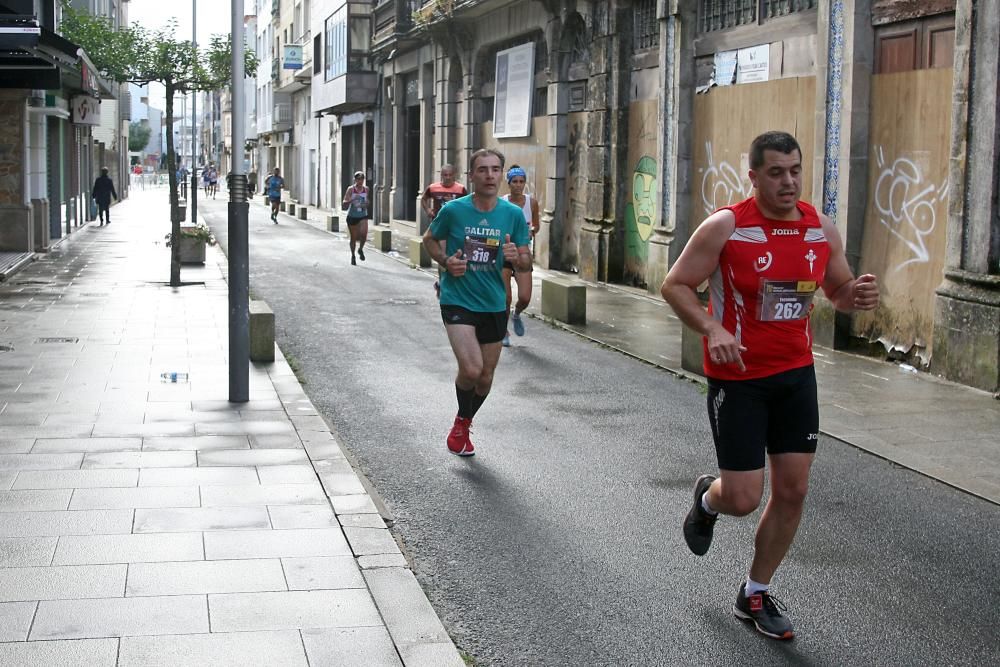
763,259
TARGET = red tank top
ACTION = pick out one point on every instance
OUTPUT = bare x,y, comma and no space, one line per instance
762,290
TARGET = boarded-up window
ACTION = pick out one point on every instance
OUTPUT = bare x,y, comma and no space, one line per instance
911,45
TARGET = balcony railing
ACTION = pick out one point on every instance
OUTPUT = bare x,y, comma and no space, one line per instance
282,113
716,15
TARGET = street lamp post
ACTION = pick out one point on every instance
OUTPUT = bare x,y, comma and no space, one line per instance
239,246
194,121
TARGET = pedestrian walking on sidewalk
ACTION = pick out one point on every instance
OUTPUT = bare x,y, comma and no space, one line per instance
101,193
517,180
182,184
357,202
764,258
273,186
480,232
437,195
251,183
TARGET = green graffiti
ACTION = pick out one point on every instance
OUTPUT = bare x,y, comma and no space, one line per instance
636,247
644,196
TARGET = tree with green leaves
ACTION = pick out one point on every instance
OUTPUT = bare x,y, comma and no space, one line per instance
138,136
138,55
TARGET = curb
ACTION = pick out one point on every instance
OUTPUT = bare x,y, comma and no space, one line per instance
417,632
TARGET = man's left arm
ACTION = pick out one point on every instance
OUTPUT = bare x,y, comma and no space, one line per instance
844,291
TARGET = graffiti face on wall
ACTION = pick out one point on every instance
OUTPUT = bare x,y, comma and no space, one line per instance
906,203
644,196
640,218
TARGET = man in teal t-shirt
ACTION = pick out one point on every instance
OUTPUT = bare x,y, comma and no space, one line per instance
481,231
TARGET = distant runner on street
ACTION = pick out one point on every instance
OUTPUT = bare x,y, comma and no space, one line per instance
437,195
358,202
273,185
764,258
480,232
517,180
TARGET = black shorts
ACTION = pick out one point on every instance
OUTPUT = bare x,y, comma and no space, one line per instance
490,327
778,414
274,200
354,221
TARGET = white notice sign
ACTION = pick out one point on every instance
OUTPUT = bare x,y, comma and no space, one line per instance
725,68
753,64
515,83
86,110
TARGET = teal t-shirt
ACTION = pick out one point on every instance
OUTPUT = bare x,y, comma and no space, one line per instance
480,236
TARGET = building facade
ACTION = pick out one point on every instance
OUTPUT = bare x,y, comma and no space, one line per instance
633,119
62,123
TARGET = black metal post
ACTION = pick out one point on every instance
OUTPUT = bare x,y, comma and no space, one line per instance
239,237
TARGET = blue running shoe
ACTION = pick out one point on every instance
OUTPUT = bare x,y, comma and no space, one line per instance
518,324
506,340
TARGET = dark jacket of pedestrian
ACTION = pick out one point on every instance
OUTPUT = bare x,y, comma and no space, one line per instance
103,191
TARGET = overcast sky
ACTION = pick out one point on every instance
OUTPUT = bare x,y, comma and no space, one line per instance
214,18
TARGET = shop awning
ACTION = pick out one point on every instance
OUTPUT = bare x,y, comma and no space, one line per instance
35,57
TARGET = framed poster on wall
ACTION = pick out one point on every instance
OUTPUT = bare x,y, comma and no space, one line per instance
515,83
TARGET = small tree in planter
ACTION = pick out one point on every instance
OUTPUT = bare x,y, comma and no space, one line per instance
191,242
140,56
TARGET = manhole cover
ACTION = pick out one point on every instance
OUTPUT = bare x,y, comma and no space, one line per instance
57,340
5,347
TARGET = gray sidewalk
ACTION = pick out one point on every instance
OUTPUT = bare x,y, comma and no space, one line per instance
145,522
941,429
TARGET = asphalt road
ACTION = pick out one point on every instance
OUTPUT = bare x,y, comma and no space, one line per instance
559,543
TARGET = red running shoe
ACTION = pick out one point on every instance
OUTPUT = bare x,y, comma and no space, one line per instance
458,439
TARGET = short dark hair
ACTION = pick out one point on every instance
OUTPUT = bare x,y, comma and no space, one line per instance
483,152
774,140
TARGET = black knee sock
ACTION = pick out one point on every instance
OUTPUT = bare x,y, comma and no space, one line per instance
465,401
477,402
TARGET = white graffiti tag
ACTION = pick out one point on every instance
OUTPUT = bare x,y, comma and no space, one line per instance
721,185
905,202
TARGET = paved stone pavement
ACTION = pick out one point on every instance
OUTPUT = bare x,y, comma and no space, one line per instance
941,429
151,522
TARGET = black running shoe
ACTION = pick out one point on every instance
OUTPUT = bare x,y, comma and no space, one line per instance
764,611
699,524
361,254
354,261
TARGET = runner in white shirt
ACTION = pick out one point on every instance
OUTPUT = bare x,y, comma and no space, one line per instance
517,179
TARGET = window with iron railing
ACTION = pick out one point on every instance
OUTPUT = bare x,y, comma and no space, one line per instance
775,8
716,15
645,29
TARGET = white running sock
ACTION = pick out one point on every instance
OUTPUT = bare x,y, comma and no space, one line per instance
752,587
705,506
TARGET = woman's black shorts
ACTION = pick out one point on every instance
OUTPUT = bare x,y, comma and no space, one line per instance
776,414
354,221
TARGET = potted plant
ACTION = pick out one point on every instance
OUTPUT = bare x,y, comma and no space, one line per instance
193,239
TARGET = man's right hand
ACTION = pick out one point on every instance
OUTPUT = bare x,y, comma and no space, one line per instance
723,348
455,264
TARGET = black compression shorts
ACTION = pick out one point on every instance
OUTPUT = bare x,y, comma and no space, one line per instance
776,414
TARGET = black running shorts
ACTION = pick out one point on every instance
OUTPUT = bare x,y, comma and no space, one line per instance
776,414
490,327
